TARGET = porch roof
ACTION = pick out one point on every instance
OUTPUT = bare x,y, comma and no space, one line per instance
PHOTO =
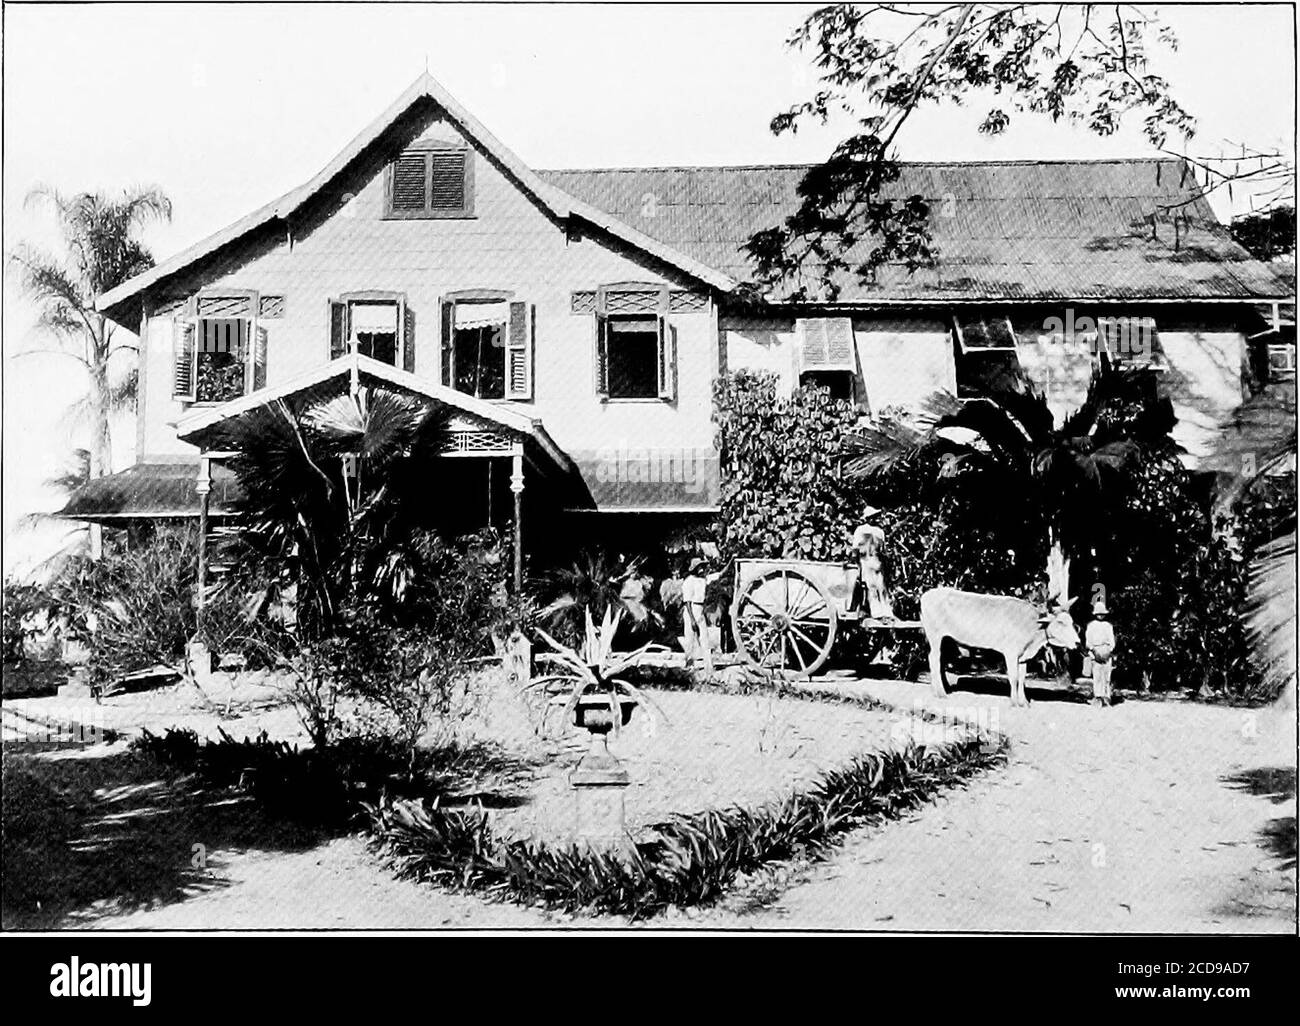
199,425
152,491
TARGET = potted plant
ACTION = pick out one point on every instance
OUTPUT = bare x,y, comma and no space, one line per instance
587,685
586,681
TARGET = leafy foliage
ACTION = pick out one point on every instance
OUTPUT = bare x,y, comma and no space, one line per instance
102,251
134,607
879,63
691,860
324,786
26,613
1267,235
783,495
595,668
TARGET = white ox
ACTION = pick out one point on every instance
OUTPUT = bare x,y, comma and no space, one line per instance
1010,626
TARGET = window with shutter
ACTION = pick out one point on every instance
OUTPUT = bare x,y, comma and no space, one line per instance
825,344
373,324
635,345
987,353
984,333
216,354
487,347
431,182
633,350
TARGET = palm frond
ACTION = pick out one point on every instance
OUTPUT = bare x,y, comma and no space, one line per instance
883,447
1271,610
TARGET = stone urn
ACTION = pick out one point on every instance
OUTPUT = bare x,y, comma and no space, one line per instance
599,780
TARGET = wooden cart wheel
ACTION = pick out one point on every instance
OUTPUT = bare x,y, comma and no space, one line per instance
785,621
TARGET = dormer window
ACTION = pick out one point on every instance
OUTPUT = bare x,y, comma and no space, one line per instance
435,181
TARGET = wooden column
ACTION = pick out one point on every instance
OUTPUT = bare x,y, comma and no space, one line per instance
203,486
517,489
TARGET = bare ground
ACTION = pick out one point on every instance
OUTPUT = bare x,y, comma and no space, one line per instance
104,839
1150,816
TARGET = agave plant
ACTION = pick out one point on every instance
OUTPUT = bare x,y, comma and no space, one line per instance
595,668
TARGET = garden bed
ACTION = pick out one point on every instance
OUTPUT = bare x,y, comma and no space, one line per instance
708,750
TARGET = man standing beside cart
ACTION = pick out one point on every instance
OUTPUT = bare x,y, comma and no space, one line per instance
868,542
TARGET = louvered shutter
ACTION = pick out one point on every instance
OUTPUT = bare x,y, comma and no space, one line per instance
602,355
338,329
259,356
184,357
447,180
826,344
667,360
448,354
519,352
401,337
407,189
407,328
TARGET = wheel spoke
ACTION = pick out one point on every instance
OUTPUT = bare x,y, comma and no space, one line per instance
762,608
804,613
815,647
796,608
794,646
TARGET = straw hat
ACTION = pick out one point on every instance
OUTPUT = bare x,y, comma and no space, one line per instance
1099,608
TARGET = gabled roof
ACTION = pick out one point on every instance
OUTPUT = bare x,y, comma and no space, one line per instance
199,423
558,203
1123,230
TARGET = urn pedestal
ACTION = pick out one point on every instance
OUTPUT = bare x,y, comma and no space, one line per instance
599,781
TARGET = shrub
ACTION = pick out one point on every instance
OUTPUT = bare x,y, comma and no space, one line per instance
783,495
1175,586
26,616
323,786
134,607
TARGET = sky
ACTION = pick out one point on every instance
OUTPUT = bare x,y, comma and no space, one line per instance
226,106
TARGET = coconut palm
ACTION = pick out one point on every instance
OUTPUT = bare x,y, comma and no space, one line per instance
100,237
334,492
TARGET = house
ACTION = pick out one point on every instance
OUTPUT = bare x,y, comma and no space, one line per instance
573,322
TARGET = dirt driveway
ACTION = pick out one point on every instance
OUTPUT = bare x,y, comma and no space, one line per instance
1149,816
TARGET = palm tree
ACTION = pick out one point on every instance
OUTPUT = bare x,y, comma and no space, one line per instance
335,494
1008,441
99,234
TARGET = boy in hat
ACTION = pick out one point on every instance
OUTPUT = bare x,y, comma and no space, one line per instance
1099,639
693,621
868,541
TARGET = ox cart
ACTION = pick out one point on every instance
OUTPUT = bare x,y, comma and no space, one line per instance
787,613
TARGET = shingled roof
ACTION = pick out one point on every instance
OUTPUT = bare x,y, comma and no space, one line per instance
1135,229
